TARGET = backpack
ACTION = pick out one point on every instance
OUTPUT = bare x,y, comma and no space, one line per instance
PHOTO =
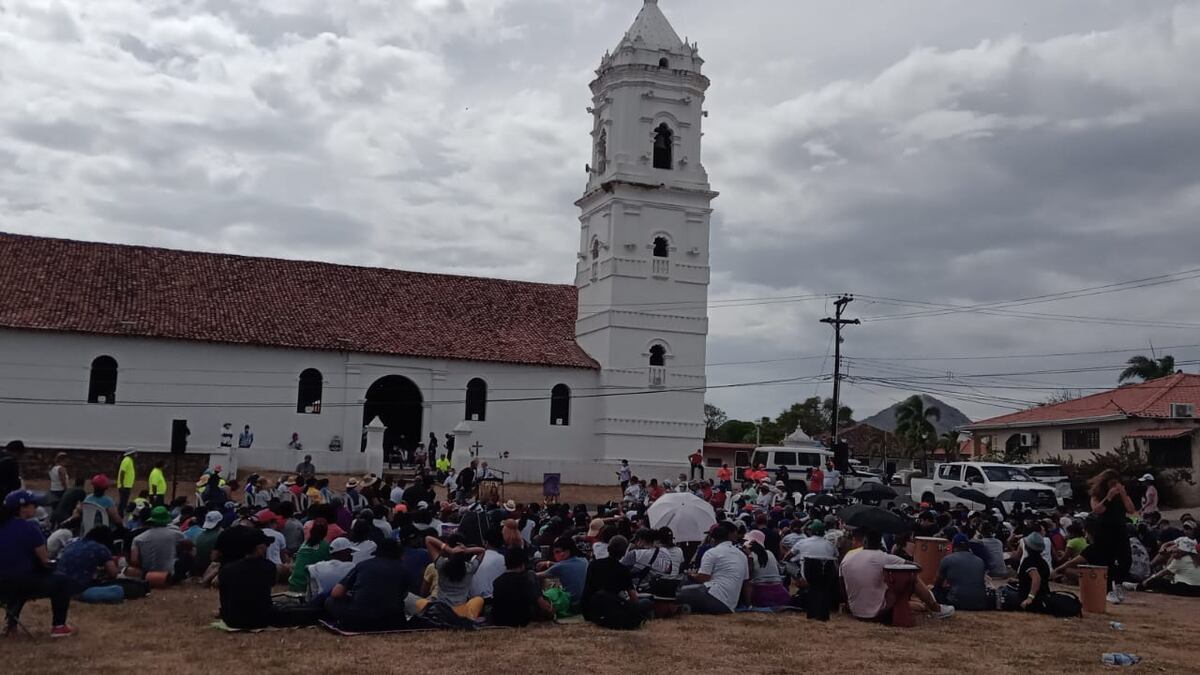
1063,605
560,600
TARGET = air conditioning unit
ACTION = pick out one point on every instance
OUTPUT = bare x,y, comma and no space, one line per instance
1183,410
1029,440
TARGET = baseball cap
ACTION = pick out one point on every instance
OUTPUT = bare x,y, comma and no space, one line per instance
817,527
757,537
1186,545
961,539
400,508
18,498
212,519
1147,478
341,544
266,516
100,481
422,506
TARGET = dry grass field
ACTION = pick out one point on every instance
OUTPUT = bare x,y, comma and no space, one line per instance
168,632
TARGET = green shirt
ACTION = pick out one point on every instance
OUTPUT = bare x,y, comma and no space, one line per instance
1077,545
205,542
126,475
306,556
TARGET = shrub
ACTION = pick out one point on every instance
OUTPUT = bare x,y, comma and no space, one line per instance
1132,464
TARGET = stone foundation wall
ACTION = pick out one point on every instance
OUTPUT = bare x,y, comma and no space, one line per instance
36,463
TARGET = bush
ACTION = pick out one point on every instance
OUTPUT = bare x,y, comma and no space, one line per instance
1132,463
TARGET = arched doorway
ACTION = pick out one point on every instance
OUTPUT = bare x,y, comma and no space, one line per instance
397,402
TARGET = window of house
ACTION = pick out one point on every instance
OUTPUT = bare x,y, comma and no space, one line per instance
1171,453
309,392
741,458
476,401
560,405
662,247
102,384
1081,439
658,355
664,147
713,462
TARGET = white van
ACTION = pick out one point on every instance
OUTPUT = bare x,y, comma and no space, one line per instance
799,459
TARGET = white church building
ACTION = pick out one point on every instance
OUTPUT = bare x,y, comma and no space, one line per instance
103,346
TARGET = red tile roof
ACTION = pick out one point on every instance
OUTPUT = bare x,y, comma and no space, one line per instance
108,289
1164,433
1148,399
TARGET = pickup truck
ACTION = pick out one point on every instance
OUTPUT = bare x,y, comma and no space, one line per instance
990,480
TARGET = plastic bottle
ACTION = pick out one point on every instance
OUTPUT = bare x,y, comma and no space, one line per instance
1117,625
1120,659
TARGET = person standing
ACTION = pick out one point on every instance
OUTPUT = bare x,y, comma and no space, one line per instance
624,474
126,476
696,459
433,446
725,478
832,478
246,438
1150,499
816,480
59,480
10,467
450,447
1111,507
306,469
158,483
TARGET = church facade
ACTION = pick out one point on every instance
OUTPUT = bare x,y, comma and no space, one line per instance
104,347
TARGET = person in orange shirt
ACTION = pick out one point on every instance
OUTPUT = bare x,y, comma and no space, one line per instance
816,481
696,459
725,477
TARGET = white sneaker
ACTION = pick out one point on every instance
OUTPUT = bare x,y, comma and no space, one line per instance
945,612
1113,598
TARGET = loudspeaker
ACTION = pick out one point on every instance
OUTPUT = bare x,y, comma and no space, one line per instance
841,457
179,436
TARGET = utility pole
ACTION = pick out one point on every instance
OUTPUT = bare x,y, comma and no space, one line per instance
837,322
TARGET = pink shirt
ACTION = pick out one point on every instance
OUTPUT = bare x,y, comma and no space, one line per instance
866,589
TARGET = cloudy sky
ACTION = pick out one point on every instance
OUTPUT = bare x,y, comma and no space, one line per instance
928,151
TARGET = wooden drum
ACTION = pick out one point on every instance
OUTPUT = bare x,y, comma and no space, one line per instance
928,554
1093,588
902,583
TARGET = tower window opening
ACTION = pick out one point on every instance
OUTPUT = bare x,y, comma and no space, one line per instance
664,146
658,355
664,63
661,247
595,249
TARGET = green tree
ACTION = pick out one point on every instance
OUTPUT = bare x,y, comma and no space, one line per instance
949,442
714,418
914,426
813,416
1145,368
736,431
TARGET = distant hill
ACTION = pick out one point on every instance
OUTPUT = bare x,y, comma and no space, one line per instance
952,418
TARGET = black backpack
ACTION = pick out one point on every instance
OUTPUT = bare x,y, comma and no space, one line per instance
1063,605
612,611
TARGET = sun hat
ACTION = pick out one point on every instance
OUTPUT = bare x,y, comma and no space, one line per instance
341,544
160,515
100,481
817,527
211,520
1034,542
1065,522
352,484
422,506
510,506
369,480
18,498
1184,544
1148,478
757,537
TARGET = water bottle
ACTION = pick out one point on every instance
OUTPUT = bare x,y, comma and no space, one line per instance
1120,659
1117,625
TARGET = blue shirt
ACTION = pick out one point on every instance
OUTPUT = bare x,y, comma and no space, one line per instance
573,574
80,560
104,502
18,540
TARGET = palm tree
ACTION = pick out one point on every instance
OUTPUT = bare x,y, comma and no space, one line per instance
913,425
950,443
1146,369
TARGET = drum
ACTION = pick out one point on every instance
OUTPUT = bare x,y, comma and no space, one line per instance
490,491
901,582
157,579
928,554
1093,588
823,588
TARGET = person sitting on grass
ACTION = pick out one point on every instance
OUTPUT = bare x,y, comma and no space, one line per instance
723,570
324,575
245,589
568,568
1181,575
517,598
456,566
1033,576
371,597
867,593
25,572
765,587
315,550
157,549
609,596
961,579
88,561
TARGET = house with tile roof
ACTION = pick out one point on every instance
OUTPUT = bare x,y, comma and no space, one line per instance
105,346
1159,416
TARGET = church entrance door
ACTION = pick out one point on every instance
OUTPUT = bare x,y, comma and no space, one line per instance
397,402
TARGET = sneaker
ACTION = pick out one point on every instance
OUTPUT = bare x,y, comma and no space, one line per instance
1113,598
63,631
945,612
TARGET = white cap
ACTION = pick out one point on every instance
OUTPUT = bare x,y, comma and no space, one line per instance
342,544
421,506
212,519
1186,545
1148,478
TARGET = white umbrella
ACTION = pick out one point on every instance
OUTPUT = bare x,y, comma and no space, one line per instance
688,516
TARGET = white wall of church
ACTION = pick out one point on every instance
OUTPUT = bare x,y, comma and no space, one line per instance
207,384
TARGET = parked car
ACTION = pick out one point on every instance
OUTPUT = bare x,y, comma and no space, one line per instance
989,480
799,459
905,476
1054,476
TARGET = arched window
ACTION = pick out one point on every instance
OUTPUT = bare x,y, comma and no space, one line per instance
664,146
664,63
476,401
658,355
662,247
595,249
560,406
309,397
102,384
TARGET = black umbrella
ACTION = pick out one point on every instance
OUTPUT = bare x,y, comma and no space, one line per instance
874,518
826,500
874,492
971,495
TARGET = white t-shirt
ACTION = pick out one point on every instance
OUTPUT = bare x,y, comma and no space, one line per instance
813,547
364,550
490,568
1185,571
729,570
327,573
278,544
397,495
832,477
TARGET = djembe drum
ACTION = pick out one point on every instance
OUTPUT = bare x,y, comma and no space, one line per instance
491,491
929,553
822,577
901,582
1093,588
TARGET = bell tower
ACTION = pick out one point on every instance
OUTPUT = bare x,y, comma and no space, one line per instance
643,262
